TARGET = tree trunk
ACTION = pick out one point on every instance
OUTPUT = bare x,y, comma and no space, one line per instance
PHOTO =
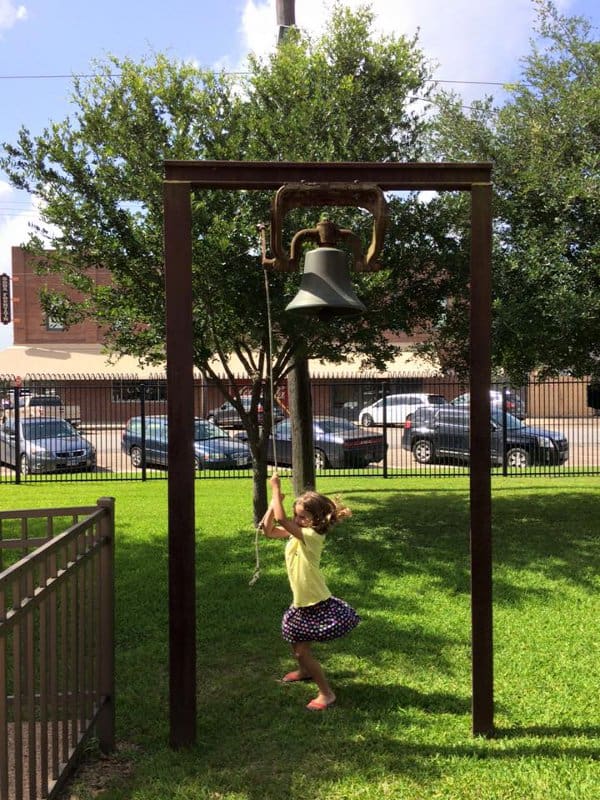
303,465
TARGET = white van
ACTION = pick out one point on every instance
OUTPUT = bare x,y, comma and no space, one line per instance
397,408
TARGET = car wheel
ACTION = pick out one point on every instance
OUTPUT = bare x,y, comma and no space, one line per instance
197,464
321,461
25,468
367,421
423,451
518,457
136,456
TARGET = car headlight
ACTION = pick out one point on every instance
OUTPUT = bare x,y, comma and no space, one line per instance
38,452
545,441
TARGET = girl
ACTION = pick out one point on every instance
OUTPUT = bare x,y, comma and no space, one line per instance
315,615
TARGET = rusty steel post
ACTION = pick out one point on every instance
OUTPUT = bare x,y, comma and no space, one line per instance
180,388
480,460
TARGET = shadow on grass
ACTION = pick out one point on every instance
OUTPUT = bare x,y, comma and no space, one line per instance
555,535
254,736
550,732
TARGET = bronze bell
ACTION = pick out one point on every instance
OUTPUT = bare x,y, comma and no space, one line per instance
325,289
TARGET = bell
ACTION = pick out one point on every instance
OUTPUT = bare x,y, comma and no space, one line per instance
325,289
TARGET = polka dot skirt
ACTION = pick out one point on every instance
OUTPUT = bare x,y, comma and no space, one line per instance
320,622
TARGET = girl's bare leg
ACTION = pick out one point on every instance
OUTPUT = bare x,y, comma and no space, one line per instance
310,666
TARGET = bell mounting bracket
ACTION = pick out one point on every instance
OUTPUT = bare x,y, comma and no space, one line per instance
325,233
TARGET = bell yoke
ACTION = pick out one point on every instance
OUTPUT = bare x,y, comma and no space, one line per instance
325,288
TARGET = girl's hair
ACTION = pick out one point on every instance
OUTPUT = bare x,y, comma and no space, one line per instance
325,512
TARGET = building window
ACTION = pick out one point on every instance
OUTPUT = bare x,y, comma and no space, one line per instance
130,391
54,324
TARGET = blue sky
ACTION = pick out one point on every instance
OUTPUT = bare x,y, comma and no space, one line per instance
41,40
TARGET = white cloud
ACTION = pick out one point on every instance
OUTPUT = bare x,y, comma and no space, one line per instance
468,41
18,213
10,13
14,231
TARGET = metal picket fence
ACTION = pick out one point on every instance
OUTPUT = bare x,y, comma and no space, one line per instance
56,643
564,408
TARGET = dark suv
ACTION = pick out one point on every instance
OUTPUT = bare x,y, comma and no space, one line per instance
432,434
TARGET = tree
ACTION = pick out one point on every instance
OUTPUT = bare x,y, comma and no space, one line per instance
545,146
343,96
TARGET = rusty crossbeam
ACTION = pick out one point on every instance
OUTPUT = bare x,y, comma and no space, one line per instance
273,174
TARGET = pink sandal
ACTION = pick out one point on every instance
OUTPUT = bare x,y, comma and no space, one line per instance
295,677
314,705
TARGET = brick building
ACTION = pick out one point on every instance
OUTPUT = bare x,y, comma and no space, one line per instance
72,361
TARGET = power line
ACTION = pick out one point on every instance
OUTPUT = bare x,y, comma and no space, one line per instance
62,76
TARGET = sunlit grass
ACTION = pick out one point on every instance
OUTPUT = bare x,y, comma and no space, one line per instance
402,725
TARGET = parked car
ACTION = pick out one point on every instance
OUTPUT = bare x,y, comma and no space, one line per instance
397,408
514,402
442,433
46,405
228,416
213,447
337,443
46,444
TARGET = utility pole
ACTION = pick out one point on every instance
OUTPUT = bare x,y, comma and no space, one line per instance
299,391
286,17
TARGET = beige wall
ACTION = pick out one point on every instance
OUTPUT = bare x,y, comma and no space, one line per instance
560,397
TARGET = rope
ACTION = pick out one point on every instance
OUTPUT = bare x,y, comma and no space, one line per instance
256,574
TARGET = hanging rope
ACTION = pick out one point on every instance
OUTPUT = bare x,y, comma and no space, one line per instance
256,574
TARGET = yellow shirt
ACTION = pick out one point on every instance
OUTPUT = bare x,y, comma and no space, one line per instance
302,560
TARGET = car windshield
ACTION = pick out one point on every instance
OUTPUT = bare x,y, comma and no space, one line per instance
45,428
332,425
203,429
437,399
46,400
511,422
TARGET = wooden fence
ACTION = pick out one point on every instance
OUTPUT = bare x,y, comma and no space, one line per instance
56,643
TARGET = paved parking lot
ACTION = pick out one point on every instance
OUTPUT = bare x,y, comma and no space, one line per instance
583,435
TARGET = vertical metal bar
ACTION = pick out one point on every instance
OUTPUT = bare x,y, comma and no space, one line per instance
106,720
64,664
180,404
43,656
17,666
30,673
80,584
384,394
142,389
73,642
53,669
480,475
4,766
17,415
504,459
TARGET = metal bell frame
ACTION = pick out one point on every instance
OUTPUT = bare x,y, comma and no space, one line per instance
325,233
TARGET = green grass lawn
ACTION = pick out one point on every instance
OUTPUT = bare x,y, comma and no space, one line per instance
402,726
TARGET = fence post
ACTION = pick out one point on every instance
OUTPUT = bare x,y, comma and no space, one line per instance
142,388
385,429
105,727
17,418
504,459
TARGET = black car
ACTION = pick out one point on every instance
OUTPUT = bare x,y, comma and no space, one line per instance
432,434
337,443
228,416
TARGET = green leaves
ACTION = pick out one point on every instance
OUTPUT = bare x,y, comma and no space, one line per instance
545,146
